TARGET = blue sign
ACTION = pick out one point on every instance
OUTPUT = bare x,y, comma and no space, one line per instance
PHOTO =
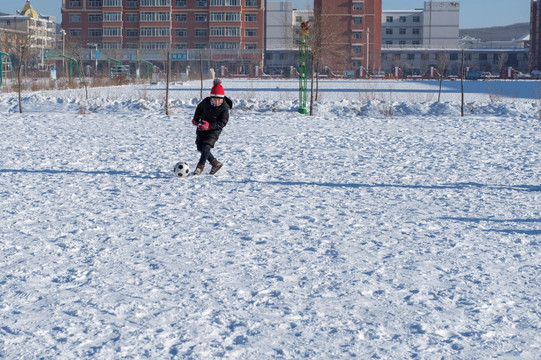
179,56
97,54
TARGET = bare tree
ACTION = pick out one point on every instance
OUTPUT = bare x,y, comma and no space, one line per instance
167,76
25,49
326,46
78,52
442,68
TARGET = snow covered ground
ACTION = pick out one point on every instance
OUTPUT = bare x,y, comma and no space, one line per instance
385,226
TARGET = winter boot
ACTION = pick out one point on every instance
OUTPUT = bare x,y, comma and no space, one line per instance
199,169
216,165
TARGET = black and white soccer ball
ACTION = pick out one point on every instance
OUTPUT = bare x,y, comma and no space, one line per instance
181,169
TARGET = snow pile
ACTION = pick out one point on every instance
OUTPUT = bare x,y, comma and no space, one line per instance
379,228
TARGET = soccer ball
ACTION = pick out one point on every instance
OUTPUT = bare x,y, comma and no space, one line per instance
181,169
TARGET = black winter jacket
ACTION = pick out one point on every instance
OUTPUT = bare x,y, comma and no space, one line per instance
216,116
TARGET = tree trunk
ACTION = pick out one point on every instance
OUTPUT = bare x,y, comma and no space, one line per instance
312,85
462,84
167,70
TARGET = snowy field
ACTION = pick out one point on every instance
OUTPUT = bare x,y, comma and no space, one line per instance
386,226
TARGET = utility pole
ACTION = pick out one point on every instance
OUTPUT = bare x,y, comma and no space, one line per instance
367,50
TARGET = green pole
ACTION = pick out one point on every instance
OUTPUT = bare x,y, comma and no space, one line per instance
303,69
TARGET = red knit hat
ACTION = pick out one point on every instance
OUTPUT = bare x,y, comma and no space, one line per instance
217,90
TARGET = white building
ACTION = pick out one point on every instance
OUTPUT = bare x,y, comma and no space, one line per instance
282,34
433,27
42,28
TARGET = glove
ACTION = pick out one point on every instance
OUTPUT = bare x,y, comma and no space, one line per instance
195,122
204,126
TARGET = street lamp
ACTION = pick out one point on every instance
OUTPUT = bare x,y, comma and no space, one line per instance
63,32
95,56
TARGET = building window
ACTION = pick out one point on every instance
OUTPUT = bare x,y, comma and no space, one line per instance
453,56
402,19
131,3
163,31
250,46
402,31
389,19
75,32
284,56
75,18
396,57
132,17
112,16
388,31
180,3
415,31
112,31
112,3
250,17
75,3
201,32
425,57
163,16
147,16
357,20
94,3
224,45
388,42
357,6
483,57
154,2
225,31
416,42
147,31
201,17
357,34
402,42
151,45
225,2
201,46
180,46
94,17
224,16
416,19
132,32
181,32
251,3
112,45
180,17
201,3
496,59
357,49
94,33
250,32
411,56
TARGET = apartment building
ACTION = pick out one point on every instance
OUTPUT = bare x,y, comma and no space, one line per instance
28,22
420,39
433,27
216,30
351,33
282,37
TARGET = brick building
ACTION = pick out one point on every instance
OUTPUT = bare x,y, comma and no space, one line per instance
225,33
351,36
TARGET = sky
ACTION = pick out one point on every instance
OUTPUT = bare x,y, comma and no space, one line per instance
473,13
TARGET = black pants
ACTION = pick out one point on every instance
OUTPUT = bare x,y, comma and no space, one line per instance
204,149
